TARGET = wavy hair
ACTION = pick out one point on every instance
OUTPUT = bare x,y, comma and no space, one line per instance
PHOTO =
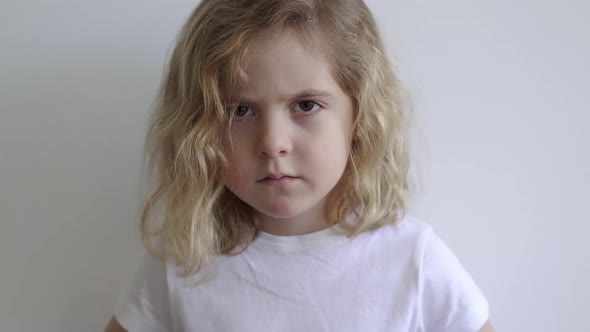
189,210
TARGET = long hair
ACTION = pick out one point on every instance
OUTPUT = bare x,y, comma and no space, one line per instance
190,210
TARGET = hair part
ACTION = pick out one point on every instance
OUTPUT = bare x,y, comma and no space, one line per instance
200,217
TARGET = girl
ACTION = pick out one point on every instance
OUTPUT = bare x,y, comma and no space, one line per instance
279,150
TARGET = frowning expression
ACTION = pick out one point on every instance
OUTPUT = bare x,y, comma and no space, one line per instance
290,134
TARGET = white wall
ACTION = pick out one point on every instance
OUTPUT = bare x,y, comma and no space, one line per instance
499,89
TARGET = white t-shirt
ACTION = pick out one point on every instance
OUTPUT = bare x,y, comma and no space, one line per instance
399,277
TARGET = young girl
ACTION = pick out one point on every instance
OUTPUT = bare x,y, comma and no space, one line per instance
280,157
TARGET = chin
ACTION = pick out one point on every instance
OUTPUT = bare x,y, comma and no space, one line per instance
289,208
281,211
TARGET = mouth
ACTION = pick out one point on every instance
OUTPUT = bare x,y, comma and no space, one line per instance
278,179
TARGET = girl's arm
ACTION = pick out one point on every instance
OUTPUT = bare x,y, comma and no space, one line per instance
114,326
487,327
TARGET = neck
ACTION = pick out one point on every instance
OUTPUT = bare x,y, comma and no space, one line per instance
310,221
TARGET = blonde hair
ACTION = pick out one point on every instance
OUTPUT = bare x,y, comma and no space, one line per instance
201,218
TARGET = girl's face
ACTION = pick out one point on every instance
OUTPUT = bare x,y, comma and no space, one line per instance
291,135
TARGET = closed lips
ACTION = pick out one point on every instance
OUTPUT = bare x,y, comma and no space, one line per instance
278,177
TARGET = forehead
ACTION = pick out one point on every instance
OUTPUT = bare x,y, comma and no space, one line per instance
283,63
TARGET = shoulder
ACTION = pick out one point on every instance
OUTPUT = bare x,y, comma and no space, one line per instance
429,251
447,297
408,234
399,245
409,227
143,303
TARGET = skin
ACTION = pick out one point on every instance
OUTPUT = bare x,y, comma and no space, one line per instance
291,118
487,327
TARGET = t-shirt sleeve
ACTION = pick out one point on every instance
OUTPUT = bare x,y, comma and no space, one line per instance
450,301
144,305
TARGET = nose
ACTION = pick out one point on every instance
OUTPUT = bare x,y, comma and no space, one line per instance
273,137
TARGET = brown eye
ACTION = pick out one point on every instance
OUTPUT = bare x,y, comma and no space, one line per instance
241,110
308,106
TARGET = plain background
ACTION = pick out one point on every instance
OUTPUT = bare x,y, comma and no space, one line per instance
500,91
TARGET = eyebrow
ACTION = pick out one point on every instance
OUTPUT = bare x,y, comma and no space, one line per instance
307,93
312,93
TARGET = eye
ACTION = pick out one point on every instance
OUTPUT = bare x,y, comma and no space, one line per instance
308,106
241,111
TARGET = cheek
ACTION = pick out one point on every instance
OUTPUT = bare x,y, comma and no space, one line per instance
235,147
231,173
233,180
329,152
